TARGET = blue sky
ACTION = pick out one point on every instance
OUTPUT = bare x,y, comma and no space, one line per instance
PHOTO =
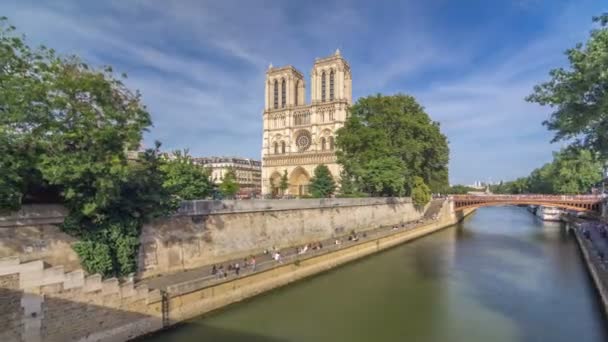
200,64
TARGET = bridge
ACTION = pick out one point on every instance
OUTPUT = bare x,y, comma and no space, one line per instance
585,203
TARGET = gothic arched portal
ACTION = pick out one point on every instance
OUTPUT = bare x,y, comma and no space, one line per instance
298,182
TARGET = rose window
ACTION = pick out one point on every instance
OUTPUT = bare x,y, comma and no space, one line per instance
303,140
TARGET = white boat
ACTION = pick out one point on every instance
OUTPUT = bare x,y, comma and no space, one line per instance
549,213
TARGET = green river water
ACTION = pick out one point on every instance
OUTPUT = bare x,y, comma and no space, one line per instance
501,275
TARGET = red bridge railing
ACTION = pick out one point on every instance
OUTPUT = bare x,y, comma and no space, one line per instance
575,202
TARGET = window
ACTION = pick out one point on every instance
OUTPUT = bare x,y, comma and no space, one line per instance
282,147
276,148
323,87
283,97
322,144
331,143
331,86
276,94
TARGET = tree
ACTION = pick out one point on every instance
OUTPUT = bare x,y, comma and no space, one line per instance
389,140
322,183
421,193
229,186
384,177
68,126
572,171
348,186
284,183
580,94
541,180
575,171
185,179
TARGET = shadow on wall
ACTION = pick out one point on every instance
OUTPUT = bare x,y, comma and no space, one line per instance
29,317
51,316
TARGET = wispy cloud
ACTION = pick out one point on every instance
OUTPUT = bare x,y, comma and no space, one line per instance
200,64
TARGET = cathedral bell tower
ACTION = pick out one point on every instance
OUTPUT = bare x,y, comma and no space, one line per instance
299,136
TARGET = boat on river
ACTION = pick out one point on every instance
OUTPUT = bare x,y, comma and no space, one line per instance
549,213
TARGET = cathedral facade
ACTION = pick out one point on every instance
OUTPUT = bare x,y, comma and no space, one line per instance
298,135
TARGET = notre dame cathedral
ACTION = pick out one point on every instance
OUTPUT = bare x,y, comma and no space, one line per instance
298,135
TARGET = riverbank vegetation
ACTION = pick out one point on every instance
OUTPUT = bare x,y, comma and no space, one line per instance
66,130
572,171
389,146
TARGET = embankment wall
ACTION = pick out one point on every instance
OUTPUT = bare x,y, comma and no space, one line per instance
207,232
210,232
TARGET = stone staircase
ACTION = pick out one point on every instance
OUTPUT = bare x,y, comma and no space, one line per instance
434,209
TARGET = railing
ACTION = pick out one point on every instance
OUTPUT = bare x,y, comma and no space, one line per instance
490,198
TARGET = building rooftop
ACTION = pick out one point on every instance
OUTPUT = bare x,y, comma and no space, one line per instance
234,160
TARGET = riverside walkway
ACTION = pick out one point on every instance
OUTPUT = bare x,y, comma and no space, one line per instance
203,276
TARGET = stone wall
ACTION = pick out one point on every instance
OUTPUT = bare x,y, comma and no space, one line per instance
49,304
208,232
39,242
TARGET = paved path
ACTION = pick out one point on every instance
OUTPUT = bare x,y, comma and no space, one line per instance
265,261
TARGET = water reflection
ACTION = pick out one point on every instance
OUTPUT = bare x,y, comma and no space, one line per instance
501,275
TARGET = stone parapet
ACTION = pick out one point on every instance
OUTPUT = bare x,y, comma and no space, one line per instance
205,207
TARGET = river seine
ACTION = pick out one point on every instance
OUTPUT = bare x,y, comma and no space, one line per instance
501,275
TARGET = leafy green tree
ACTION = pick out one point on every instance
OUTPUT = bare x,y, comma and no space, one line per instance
384,177
284,183
185,179
575,171
68,126
229,186
348,186
579,94
387,141
541,180
322,183
421,193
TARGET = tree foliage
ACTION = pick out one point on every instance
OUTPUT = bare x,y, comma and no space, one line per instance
229,186
389,140
185,179
68,126
421,193
284,182
572,171
322,183
579,94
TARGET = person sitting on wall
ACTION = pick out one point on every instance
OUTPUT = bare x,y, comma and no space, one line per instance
214,270
338,242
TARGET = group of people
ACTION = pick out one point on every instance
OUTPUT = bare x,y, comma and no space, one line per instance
221,272
310,246
236,267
